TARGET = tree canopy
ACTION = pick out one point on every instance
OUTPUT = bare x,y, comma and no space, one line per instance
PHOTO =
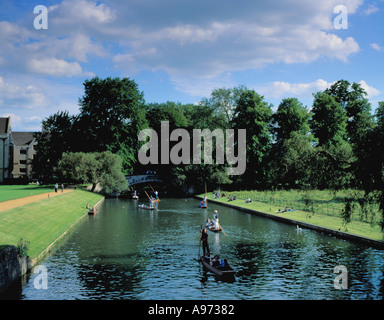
336,143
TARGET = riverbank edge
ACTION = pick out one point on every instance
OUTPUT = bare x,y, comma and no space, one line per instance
17,268
51,246
377,244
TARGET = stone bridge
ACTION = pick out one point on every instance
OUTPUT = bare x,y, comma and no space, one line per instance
145,178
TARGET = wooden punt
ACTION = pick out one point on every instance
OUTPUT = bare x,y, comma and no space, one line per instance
213,229
223,272
146,207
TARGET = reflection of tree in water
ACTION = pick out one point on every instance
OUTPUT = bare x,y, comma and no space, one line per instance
111,281
248,257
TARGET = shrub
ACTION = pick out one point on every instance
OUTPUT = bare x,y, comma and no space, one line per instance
22,247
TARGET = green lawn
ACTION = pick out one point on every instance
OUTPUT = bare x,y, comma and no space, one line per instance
44,221
323,210
10,192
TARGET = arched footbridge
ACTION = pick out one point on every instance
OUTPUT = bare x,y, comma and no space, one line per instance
145,178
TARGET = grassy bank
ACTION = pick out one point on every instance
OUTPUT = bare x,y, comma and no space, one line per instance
321,208
42,222
12,192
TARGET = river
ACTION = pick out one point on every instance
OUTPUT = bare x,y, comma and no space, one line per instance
124,252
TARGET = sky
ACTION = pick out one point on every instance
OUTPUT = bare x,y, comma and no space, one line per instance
178,50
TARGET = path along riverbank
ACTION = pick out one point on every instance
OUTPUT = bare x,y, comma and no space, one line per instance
332,226
43,220
11,204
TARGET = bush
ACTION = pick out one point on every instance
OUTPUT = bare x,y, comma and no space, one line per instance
22,248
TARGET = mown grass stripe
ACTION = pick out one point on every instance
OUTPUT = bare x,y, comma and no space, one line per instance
44,221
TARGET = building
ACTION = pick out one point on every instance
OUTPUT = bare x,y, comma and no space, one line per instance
23,152
5,149
17,150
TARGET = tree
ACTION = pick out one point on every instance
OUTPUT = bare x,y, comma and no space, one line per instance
112,114
370,156
104,168
54,139
254,114
168,111
223,102
369,172
291,150
329,120
352,98
291,116
359,119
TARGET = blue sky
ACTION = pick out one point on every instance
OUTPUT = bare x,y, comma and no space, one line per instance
181,50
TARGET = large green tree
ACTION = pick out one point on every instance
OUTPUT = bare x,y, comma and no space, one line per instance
54,139
292,151
254,114
329,120
291,116
223,102
112,113
352,98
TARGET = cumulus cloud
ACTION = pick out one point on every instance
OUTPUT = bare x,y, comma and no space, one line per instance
197,39
80,13
207,40
13,94
371,91
371,9
304,90
56,67
29,101
199,44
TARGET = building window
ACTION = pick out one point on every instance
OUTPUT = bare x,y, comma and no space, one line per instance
23,170
23,151
23,161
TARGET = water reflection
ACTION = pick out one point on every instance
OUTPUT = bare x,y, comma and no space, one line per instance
125,252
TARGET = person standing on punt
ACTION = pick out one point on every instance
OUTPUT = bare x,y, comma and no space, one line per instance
216,219
204,240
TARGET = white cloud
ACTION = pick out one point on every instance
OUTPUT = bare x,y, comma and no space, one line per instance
30,99
80,12
196,39
202,87
303,91
213,41
22,123
56,67
371,91
199,44
376,47
371,9
15,95
283,89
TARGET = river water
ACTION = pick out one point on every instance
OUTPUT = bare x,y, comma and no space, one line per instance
124,252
